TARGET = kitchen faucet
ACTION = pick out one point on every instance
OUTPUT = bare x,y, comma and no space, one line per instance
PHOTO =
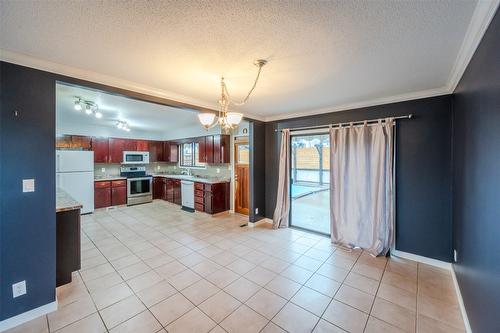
186,172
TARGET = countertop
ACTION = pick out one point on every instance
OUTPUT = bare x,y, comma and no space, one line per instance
194,178
64,202
108,178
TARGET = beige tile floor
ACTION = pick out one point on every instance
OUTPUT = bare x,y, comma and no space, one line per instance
154,268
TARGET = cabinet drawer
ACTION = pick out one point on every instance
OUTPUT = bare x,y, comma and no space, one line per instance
198,193
118,183
103,184
199,207
199,200
198,186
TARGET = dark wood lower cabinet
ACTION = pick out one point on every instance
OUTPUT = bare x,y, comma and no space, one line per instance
110,193
158,189
169,192
119,196
68,256
216,198
208,198
177,192
102,197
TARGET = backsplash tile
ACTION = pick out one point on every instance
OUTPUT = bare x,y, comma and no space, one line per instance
111,170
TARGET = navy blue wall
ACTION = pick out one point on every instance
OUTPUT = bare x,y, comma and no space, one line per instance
27,220
423,169
257,139
476,204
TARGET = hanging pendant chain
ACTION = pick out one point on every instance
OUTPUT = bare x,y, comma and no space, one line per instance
226,98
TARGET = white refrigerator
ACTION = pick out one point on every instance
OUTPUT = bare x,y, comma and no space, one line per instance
75,175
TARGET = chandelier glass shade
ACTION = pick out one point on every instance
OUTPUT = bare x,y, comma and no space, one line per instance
227,119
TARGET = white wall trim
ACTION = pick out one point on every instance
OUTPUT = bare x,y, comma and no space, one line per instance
422,259
83,74
480,20
461,301
372,102
27,316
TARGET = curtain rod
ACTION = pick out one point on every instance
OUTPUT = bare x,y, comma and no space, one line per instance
359,122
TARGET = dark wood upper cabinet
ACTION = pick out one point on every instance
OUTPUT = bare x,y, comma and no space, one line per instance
209,149
73,142
143,145
222,152
100,146
170,152
202,156
130,145
116,148
155,151
174,152
217,149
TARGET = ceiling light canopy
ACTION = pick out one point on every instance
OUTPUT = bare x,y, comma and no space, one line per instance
228,120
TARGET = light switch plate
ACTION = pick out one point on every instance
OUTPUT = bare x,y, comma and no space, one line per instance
455,256
103,170
28,185
19,289
256,210
158,167
218,170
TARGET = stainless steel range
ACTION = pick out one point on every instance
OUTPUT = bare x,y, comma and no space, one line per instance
139,185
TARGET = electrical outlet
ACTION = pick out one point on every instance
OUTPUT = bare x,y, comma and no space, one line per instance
19,289
217,170
28,185
455,255
103,170
158,167
256,210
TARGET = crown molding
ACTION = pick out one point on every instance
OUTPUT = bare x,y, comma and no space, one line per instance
363,104
78,73
483,14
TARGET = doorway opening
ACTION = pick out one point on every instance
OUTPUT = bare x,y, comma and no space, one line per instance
310,182
241,175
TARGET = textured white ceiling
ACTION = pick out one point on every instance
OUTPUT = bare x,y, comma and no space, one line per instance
321,54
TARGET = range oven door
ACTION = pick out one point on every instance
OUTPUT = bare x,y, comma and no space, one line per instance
139,190
139,186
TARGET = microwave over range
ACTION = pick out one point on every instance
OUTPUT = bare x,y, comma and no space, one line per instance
135,157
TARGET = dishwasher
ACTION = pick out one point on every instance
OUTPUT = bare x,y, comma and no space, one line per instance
187,195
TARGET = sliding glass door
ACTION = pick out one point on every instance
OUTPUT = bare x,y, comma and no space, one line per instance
310,182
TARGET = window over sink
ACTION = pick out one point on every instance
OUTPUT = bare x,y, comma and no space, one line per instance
190,155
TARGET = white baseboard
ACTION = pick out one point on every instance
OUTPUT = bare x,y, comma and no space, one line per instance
461,302
263,220
27,316
424,260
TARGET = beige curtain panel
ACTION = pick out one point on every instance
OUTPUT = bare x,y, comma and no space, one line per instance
361,186
282,211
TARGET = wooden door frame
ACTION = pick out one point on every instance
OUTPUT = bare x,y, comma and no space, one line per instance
236,142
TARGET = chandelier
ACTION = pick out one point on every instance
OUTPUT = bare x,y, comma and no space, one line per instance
226,119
